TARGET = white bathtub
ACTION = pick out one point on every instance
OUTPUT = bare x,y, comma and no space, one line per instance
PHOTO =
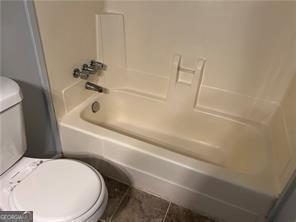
204,162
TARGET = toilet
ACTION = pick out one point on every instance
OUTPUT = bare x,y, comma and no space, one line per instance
56,190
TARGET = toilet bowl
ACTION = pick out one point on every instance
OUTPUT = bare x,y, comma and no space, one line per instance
56,190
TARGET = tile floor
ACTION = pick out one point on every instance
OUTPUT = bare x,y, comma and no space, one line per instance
126,204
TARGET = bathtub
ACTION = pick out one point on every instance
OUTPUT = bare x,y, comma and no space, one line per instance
211,164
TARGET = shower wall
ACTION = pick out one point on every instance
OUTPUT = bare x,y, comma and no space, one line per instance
246,47
68,33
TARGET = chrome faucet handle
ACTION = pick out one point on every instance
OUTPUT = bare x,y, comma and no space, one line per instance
80,74
98,65
76,73
84,75
88,69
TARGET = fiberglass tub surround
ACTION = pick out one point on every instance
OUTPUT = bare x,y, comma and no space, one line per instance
196,104
169,143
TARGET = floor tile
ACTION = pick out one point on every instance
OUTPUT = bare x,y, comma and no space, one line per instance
116,191
141,207
180,214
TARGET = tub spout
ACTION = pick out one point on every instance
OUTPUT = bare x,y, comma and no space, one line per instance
94,87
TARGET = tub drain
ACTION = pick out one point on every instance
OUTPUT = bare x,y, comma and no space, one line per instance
95,107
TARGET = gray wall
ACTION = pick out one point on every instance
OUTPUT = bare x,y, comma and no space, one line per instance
22,60
288,211
285,208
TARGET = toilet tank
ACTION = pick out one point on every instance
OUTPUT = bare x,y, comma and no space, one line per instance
12,131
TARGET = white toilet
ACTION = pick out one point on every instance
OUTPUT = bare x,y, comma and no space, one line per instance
56,190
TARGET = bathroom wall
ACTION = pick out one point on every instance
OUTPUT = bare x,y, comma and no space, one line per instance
287,213
246,47
21,60
68,33
285,208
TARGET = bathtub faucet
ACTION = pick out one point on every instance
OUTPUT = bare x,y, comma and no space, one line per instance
94,87
90,69
93,67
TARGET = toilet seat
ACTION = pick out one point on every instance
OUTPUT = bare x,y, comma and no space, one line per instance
60,190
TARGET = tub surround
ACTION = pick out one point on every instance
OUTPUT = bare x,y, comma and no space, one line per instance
68,35
248,64
224,191
233,82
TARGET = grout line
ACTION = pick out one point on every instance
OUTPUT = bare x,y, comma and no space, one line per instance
119,205
166,213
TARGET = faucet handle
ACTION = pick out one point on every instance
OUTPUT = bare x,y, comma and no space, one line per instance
80,74
87,69
98,65
76,73
84,75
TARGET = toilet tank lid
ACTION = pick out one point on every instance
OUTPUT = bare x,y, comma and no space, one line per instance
10,93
